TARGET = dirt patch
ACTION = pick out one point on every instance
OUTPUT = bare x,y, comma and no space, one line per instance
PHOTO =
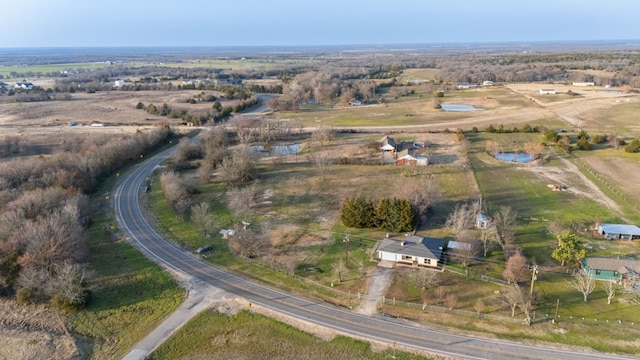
575,182
33,332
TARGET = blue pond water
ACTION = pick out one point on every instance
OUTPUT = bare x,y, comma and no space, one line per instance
515,157
276,150
458,107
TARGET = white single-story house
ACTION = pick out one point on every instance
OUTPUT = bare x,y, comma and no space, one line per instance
487,83
586,83
547,91
413,250
481,221
118,83
618,231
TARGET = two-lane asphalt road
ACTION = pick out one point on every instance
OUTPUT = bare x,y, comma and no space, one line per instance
381,329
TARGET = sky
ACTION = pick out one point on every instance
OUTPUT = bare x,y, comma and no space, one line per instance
91,23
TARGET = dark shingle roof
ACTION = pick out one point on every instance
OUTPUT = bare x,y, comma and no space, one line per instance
425,247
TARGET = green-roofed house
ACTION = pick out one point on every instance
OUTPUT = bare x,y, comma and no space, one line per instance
623,271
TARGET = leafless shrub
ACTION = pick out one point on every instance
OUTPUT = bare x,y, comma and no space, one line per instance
516,269
247,243
176,192
239,168
242,199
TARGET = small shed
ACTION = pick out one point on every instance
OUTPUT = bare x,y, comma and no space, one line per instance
481,221
618,231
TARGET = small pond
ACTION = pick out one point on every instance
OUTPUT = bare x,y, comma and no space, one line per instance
458,107
514,157
276,150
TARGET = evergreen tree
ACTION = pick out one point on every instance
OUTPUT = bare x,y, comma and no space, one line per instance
569,248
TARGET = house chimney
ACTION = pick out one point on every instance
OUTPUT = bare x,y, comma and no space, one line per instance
402,243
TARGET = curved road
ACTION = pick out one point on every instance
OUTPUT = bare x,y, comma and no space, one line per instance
380,329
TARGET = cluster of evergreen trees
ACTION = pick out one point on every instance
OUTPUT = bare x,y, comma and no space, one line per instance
393,215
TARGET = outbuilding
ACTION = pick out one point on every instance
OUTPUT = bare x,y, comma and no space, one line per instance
618,231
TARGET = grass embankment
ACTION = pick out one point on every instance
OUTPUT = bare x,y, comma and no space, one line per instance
131,295
248,335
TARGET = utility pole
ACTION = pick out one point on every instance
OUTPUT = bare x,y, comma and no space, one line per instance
346,242
534,277
555,317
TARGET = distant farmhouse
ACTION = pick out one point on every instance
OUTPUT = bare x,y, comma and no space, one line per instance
547,91
118,83
24,84
465,85
356,102
618,231
414,250
404,153
407,157
588,83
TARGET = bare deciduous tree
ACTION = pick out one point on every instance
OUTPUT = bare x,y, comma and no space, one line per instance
610,288
421,194
584,282
516,269
70,283
514,296
247,243
201,216
461,218
556,228
535,149
492,148
488,237
505,221
242,199
239,168
321,161
323,135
